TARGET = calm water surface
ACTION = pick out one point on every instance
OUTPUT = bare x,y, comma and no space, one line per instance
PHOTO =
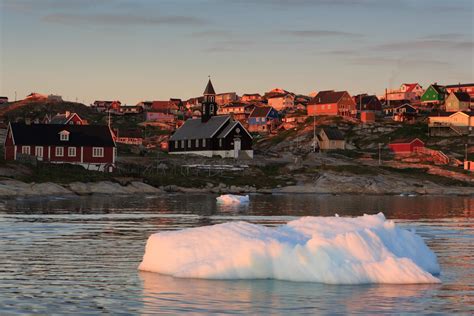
80,255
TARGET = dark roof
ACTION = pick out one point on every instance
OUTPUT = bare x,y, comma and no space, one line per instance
324,97
251,95
227,129
462,96
195,128
59,119
333,133
261,111
460,85
438,88
442,114
209,88
48,135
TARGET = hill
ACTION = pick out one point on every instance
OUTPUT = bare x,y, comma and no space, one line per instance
20,110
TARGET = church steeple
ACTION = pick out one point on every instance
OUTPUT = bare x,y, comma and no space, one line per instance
209,106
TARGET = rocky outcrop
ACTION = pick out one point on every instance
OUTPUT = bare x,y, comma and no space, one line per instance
18,188
334,183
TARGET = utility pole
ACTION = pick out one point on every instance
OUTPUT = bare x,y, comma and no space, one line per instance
465,152
380,154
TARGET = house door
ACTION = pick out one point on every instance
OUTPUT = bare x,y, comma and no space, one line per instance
237,146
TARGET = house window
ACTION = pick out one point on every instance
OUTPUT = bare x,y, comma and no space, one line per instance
39,152
59,152
176,144
189,143
97,152
197,143
64,136
220,142
25,150
71,152
203,142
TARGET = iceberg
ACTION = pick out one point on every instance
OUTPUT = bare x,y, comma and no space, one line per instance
232,199
331,250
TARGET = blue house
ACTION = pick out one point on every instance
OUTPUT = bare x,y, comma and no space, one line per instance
263,119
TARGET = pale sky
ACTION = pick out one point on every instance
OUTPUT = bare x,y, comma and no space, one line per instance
134,50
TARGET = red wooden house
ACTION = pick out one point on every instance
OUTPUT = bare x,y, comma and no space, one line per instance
405,146
332,103
70,118
91,146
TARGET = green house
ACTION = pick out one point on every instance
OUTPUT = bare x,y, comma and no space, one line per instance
434,95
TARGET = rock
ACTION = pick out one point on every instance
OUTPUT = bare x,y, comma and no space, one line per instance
48,188
140,187
80,188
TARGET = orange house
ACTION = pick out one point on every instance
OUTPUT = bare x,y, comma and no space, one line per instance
332,103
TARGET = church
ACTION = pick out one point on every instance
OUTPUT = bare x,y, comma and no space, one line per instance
212,134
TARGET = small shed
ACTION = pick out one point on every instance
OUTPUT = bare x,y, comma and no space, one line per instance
330,138
405,146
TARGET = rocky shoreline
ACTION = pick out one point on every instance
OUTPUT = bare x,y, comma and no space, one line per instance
324,184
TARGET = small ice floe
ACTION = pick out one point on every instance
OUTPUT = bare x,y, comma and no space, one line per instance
333,250
232,199
408,194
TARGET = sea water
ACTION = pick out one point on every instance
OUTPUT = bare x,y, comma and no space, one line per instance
81,255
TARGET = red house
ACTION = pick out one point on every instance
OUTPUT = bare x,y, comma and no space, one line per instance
405,146
91,146
332,103
66,118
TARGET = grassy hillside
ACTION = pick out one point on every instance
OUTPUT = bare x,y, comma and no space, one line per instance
38,109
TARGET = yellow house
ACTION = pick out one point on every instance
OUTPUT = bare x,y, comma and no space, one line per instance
282,101
458,101
461,122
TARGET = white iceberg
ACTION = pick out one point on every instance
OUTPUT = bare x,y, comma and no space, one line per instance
232,199
333,250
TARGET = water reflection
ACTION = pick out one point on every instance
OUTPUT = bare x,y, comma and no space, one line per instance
175,295
397,207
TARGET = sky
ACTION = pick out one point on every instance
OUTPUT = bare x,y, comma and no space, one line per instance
135,50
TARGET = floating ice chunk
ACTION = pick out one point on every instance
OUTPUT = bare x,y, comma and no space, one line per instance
232,199
333,250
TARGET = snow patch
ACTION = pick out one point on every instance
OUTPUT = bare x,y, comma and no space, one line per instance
333,250
232,199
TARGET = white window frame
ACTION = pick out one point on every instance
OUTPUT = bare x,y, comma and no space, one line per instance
189,143
220,142
38,150
203,142
59,151
71,152
64,136
182,143
25,150
197,142
97,152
